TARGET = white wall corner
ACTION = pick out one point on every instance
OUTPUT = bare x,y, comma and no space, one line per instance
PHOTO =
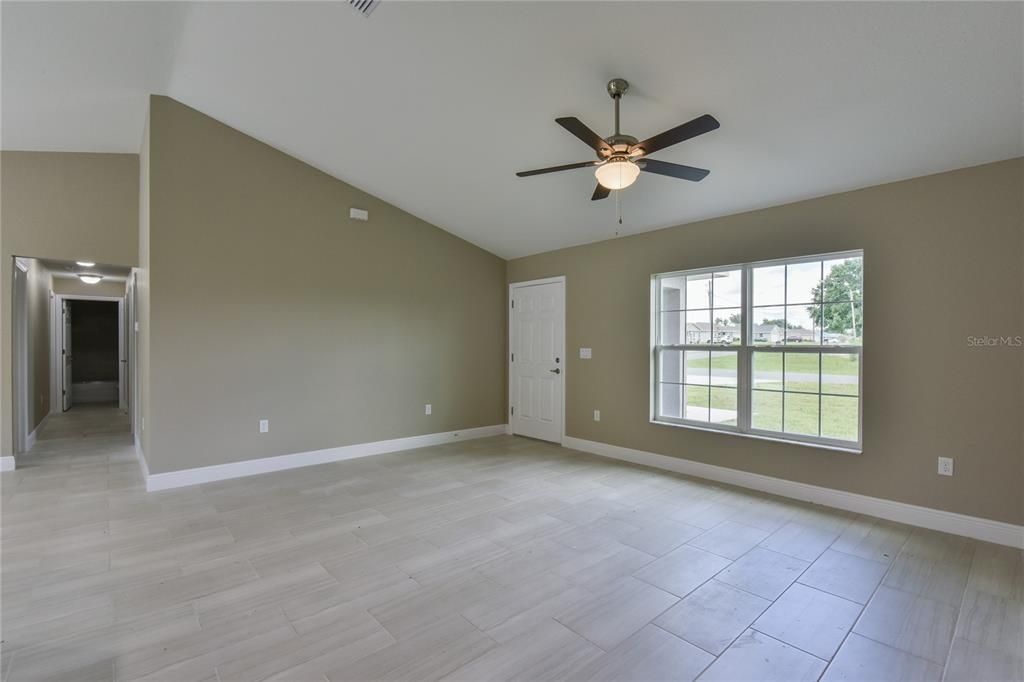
935,519
6,464
265,465
139,455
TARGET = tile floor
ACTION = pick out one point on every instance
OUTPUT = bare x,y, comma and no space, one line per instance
485,560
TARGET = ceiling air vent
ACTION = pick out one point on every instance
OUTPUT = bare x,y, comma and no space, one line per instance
364,7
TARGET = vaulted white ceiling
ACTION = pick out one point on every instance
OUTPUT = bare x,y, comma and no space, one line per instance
433,106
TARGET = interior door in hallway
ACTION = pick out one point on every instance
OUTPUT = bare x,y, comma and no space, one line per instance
65,353
537,359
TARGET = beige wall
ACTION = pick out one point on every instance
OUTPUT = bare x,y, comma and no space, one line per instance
72,286
942,262
266,301
38,303
61,206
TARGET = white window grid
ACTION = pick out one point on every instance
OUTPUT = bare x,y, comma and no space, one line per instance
745,354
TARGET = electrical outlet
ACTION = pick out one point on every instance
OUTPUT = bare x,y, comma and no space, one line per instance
427,408
264,425
597,415
945,466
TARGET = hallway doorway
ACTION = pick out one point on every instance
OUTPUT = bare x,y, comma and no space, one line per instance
90,339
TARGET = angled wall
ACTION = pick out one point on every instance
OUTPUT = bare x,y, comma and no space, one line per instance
265,301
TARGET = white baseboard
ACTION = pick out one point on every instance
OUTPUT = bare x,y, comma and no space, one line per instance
252,467
925,517
6,464
31,440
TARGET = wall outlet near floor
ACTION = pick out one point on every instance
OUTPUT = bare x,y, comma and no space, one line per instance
597,415
945,466
428,408
264,425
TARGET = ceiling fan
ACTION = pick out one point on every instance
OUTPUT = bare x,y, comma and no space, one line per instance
620,158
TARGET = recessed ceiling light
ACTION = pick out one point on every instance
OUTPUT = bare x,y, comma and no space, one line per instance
85,263
89,278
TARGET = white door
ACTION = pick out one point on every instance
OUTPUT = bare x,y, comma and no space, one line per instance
537,360
122,359
65,353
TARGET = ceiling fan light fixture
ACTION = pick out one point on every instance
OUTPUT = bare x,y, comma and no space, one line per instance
90,278
617,173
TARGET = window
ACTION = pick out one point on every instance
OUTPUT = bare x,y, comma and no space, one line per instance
771,349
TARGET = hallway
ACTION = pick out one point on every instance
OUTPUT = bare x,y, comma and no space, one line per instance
84,420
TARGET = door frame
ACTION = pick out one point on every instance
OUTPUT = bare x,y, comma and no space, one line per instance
57,343
559,279
20,342
132,339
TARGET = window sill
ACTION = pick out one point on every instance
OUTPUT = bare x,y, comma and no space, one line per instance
788,441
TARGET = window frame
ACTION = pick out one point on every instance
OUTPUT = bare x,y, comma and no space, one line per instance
745,358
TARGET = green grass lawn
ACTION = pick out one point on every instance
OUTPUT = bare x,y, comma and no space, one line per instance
838,414
789,412
769,364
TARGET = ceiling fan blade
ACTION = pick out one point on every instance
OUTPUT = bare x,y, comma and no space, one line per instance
698,126
673,170
555,169
580,130
600,192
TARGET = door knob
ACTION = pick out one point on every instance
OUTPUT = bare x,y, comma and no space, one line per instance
555,371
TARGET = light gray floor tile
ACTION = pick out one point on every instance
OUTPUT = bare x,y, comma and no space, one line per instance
651,654
616,613
729,539
871,538
550,651
713,615
801,540
864,660
845,575
917,625
682,570
755,656
996,622
809,619
971,662
763,572
998,570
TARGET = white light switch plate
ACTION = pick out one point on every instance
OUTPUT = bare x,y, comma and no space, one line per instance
597,415
264,425
428,408
945,466
585,353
